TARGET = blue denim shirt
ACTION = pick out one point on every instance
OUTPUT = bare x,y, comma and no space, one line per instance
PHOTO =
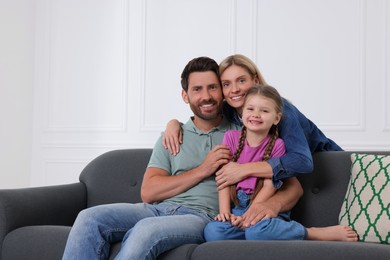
301,137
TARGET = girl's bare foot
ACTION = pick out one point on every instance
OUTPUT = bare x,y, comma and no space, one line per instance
332,233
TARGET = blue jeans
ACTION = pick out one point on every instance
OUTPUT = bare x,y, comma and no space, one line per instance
279,228
146,230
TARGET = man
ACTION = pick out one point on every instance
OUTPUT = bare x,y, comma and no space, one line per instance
179,192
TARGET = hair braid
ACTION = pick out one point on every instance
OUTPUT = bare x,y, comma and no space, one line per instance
241,142
271,143
267,155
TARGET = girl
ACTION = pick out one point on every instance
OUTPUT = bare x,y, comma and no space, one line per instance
258,141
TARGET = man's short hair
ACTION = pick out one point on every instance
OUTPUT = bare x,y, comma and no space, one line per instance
200,64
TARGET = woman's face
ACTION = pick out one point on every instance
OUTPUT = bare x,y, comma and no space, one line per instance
236,81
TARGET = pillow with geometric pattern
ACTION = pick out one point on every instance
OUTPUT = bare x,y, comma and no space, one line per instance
366,206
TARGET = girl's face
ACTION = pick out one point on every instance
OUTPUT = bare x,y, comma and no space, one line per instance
259,114
235,83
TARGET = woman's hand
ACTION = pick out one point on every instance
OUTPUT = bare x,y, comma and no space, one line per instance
173,137
229,174
233,173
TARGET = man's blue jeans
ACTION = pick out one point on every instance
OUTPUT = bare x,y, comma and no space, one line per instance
146,230
279,228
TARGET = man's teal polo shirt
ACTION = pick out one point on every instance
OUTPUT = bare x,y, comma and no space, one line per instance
196,145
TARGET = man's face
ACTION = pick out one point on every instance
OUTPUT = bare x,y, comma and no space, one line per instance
204,95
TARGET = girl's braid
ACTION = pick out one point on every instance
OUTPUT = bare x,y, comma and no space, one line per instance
267,154
241,142
271,143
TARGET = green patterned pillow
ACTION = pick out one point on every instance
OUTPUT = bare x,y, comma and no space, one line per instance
366,206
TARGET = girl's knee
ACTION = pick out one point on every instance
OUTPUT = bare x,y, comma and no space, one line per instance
260,231
275,229
213,231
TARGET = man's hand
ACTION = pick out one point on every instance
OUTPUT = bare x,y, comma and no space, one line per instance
218,156
259,211
228,175
283,200
158,184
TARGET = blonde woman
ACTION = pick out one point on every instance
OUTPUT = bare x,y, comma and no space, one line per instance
301,137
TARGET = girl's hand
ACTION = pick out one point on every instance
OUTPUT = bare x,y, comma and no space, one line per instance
173,137
223,217
237,221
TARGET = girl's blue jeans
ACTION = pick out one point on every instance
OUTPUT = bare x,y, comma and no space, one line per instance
279,228
145,230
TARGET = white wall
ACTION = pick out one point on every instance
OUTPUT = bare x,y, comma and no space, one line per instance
106,73
16,88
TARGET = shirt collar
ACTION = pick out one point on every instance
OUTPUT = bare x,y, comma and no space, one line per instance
223,127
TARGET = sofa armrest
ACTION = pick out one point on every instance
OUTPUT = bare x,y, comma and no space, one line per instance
50,205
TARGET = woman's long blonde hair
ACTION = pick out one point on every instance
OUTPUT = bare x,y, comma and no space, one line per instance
245,63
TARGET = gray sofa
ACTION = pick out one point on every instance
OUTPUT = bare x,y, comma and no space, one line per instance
35,222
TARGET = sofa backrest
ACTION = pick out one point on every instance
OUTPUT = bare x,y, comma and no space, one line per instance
325,188
115,176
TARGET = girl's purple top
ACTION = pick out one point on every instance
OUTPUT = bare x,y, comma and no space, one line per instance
251,154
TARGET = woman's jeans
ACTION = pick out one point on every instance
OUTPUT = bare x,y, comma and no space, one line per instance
146,230
279,228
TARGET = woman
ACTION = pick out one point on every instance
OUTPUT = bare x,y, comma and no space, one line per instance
301,136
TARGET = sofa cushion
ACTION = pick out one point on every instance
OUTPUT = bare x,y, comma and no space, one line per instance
180,253
48,242
366,204
324,190
289,249
35,243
